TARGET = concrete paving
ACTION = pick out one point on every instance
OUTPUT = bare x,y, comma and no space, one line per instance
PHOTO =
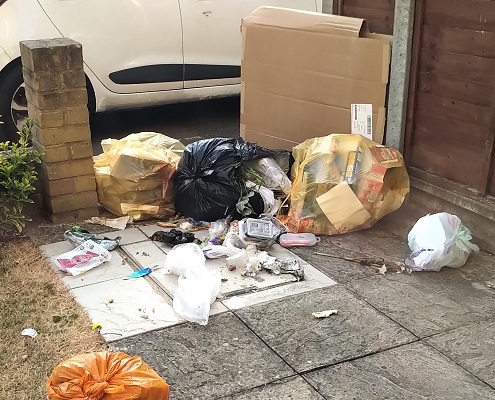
396,336
127,307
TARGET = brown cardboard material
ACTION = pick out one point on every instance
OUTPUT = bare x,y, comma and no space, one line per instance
302,71
342,208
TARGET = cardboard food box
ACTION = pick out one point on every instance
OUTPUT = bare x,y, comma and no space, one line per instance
301,72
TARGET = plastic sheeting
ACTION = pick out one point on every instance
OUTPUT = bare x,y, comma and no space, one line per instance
135,175
343,183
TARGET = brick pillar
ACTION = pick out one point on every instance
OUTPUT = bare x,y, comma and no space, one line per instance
57,104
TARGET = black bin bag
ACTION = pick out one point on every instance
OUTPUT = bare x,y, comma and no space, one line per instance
206,184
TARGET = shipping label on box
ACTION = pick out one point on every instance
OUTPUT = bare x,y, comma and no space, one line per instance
362,120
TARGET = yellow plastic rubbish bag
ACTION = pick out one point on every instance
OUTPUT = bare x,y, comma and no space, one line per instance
343,183
106,376
135,175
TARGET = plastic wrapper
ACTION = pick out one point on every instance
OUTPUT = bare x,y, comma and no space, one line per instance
106,376
273,176
439,240
207,188
83,258
135,175
343,183
76,235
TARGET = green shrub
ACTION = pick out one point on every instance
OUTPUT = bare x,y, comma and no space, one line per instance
17,175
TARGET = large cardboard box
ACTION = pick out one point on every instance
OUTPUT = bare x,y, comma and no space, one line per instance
301,72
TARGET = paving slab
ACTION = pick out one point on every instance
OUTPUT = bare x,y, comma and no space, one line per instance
472,347
129,235
294,388
427,303
411,372
125,307
207,362
145,254
305,342
371,242
313,279
481,266
116,268
54,249
247,290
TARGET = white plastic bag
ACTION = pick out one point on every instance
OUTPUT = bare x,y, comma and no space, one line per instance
183,257
197,289
439,240
273,176
84,257
217,251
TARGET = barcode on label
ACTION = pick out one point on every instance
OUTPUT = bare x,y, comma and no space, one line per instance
369,126
355,112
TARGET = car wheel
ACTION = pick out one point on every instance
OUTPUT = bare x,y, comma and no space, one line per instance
13,103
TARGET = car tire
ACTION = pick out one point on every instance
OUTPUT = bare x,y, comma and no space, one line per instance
11,85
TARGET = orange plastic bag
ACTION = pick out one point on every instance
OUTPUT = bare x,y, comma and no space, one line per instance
106,376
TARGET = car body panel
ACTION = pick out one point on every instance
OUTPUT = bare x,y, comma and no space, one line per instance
158,41
108,42
4,57
205,44
23,20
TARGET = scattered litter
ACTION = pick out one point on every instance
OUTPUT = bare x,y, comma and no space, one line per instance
184,257
146,254
324,314
186,226
173,237
76,235
106,375
110,301
29,332
382,270
96,326
140,273
116,223
262,232
379,264
218,251
258,260
273,176
298,240
24,357
83,258
218,229
238,260
197,289
277,267
144,316
167,224
439,240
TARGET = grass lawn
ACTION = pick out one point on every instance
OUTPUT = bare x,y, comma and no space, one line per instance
31,296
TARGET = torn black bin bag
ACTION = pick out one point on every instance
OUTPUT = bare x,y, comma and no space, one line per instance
206,184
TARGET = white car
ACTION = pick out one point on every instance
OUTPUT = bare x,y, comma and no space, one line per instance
137,53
